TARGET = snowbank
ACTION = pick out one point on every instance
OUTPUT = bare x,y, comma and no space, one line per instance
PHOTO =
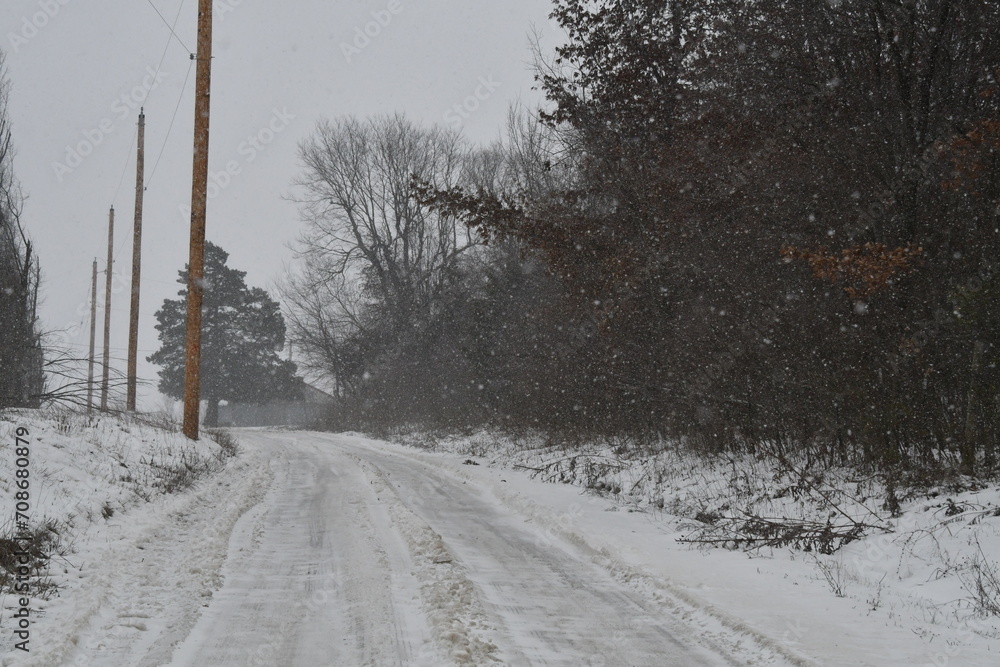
93,480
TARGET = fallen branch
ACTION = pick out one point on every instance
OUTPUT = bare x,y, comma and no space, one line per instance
754,532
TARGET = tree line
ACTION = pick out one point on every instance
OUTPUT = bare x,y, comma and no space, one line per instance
733,225
21,359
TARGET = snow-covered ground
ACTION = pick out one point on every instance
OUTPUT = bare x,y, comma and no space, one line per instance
118,492
915,591
323,549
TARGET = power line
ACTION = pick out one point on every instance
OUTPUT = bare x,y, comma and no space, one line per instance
170,27
163,57
166,48
163,148
113,349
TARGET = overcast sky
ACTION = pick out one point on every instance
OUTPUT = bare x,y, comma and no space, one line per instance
80,70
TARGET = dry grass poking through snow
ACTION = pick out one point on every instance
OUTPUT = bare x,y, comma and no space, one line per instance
86,469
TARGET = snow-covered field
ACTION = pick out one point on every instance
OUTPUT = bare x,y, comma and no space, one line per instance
323,549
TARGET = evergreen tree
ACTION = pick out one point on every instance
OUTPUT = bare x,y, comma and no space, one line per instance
242,333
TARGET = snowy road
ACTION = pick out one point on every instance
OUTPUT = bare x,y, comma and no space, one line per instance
321,549
359,556
318,549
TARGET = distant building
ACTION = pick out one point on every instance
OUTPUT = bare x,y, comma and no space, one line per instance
314,406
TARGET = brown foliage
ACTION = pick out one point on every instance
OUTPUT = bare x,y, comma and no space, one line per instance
865,270
579,247
974,156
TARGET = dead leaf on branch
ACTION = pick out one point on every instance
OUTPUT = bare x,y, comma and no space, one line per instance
863,270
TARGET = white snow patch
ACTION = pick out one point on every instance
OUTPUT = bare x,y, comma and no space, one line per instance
147,545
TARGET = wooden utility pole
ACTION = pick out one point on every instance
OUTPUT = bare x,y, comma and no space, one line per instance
107,312
133,326
199,204
93,337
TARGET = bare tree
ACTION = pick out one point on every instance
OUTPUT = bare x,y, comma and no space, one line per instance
375,267
362,223
321,311
22,382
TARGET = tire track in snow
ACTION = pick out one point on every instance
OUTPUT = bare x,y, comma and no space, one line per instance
734,640
546,605
450,598
328,583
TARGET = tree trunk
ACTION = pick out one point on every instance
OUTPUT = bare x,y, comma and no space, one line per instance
968,450
212,413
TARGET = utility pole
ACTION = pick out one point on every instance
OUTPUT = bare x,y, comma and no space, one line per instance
107,312
133,327
199,204
93,336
